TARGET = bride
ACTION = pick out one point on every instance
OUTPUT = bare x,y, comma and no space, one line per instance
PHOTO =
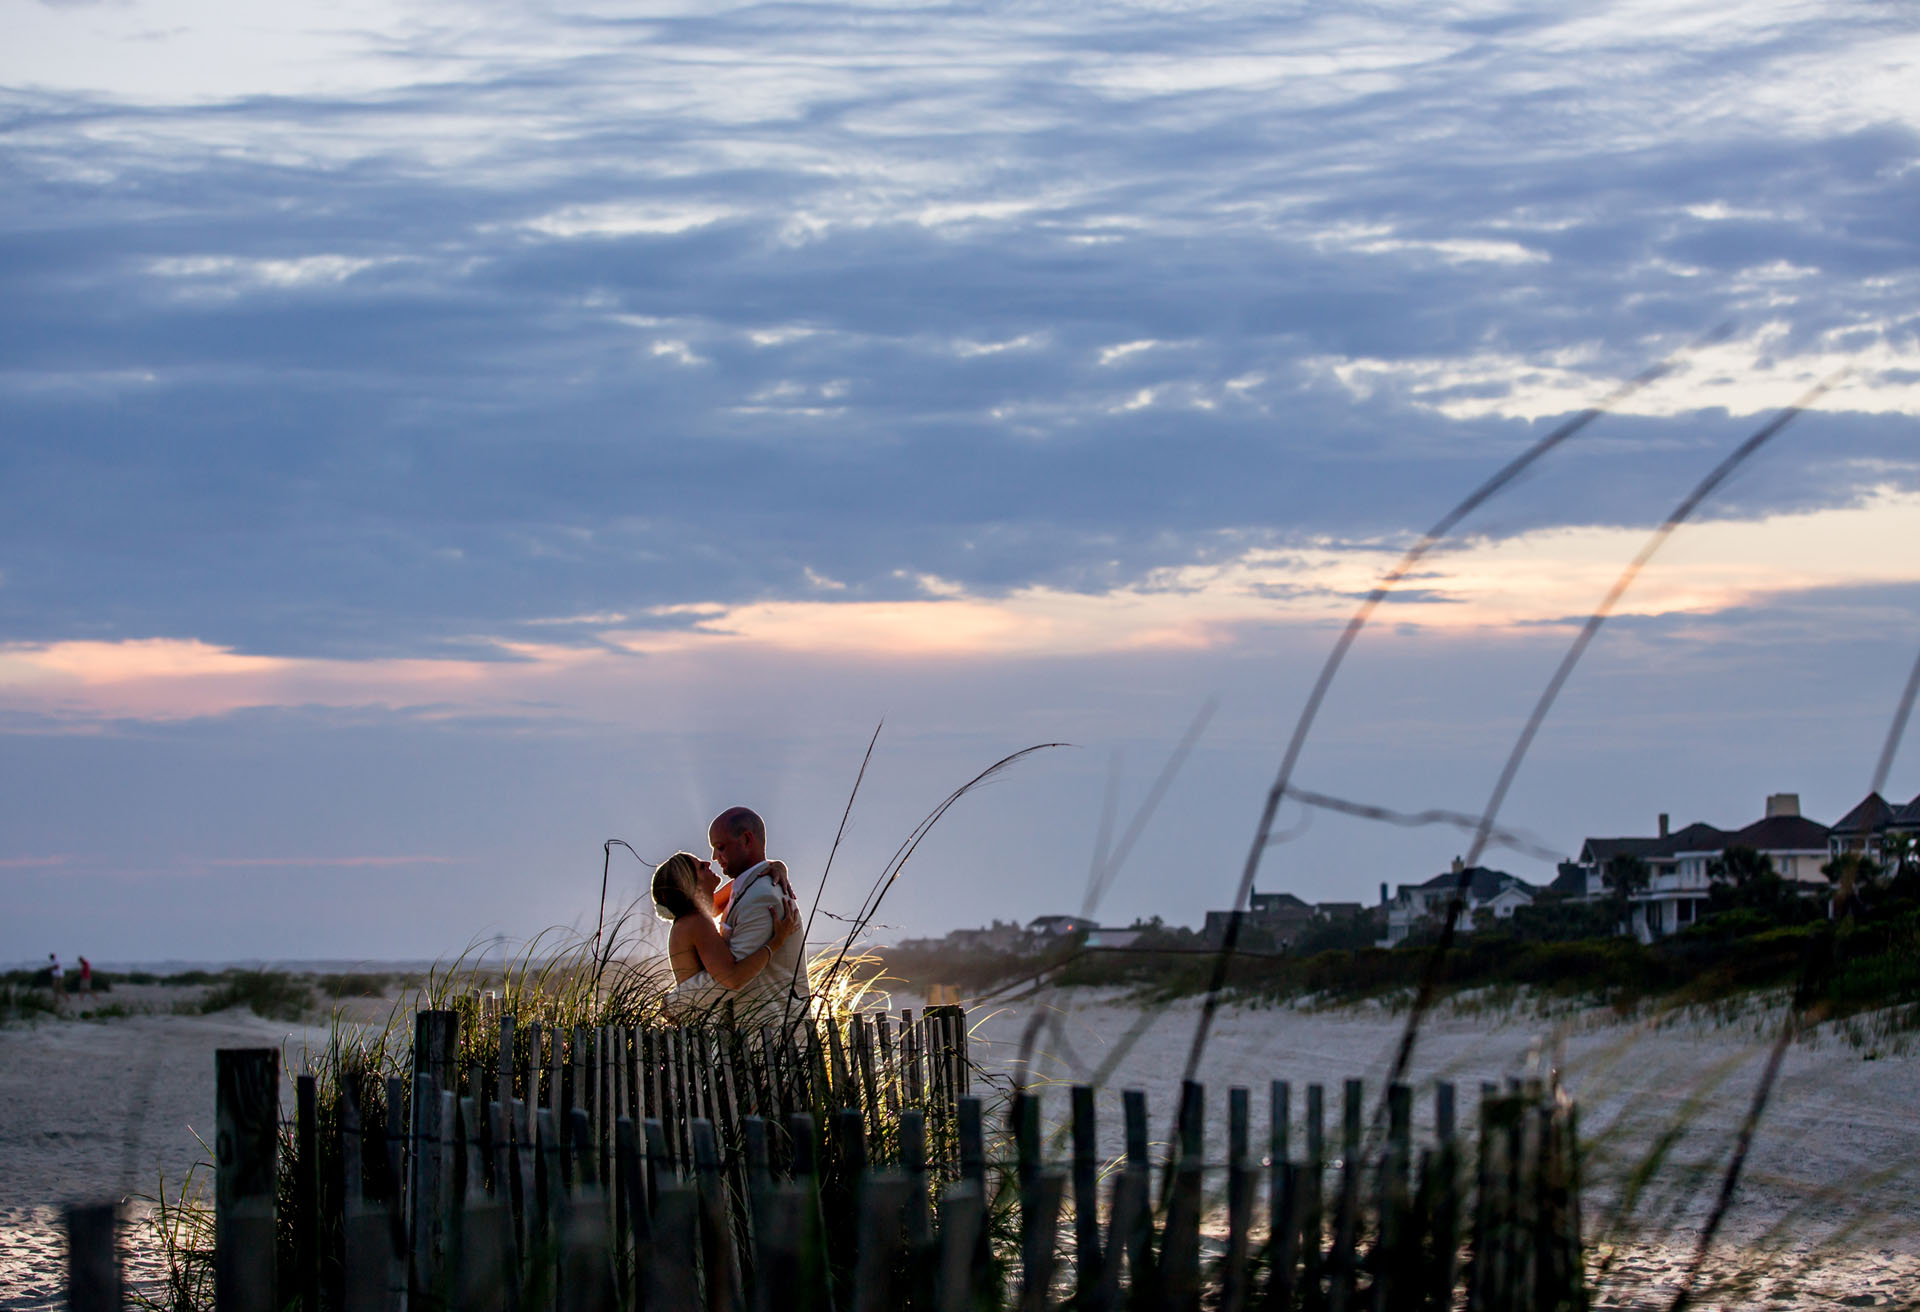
704,971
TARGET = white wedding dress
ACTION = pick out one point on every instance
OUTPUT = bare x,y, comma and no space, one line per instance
693,998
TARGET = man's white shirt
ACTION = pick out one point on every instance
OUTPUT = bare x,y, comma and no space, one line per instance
756,905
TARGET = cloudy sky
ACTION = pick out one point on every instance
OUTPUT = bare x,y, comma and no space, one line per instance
438,439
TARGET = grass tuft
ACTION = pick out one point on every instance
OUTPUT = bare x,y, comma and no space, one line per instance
268,993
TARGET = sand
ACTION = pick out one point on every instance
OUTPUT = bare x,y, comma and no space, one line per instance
1827,1213
98,1110
1831,1191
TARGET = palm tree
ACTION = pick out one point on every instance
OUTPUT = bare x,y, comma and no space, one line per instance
1626,874
1900,857
1853,874
1743,877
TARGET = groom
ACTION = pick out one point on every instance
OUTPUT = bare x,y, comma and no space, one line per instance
756,899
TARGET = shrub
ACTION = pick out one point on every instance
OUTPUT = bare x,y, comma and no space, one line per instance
268,993
355,984
24,1003
191,977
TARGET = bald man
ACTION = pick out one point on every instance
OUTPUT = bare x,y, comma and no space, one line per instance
756,898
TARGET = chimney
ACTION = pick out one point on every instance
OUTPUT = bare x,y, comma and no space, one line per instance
1663,824
1782,804
1458,865
1383,892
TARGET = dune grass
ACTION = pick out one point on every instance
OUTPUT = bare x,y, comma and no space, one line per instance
268,993
562,980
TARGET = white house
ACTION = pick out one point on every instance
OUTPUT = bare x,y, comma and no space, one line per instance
1678,861
1418,906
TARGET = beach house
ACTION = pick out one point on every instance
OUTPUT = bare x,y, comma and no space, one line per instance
1678,863
1486,893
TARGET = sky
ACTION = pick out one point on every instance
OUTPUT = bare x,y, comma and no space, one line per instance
440,438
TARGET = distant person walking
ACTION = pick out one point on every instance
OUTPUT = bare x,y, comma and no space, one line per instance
56,979
86,976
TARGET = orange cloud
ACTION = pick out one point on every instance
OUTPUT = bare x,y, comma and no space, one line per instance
1486,586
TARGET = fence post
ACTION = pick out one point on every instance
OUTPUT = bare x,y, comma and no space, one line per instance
1240,1182
1040,1197
1342,1284
889,1073
1283,1222
913,1160
93,1258
716,1222
809,1224
639,1229
962,1236
246,1168
839,1189
863,1063
1313,1200
1024,1113
423,1192
877,1283
364,1254
530,1070
306,1193
669,1279
503,1066
586,1270
1086,1200
436,1043
1444,1170
1130,1238
973,1148
1180,1247
1396,1252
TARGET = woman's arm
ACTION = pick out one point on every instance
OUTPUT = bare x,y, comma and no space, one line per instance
716,957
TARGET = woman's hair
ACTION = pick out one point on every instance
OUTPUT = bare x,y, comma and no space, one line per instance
676,887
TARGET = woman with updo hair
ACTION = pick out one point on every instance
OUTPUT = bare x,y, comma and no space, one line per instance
704,971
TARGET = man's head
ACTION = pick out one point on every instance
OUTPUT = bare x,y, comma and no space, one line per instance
739,840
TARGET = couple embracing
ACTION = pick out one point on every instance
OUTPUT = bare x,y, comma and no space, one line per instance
735,940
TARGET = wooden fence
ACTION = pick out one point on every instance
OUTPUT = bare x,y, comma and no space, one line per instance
852,1169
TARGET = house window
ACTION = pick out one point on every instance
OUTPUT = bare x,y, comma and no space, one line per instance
1685,907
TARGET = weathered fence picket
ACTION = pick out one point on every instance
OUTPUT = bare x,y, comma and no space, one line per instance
619,1169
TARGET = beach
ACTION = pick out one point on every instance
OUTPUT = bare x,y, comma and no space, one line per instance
108,1109
1829,1203
1828,1210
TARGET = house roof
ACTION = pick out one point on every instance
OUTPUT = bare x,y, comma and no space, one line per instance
1483,885
1277,902
1908,816
1696,837
1599,851
1783,833
1869,817
1571,880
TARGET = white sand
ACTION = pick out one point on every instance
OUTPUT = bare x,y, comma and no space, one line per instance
99,1110
92,1110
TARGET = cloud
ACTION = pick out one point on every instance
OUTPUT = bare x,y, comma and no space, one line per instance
1483,588
436,334
327,862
